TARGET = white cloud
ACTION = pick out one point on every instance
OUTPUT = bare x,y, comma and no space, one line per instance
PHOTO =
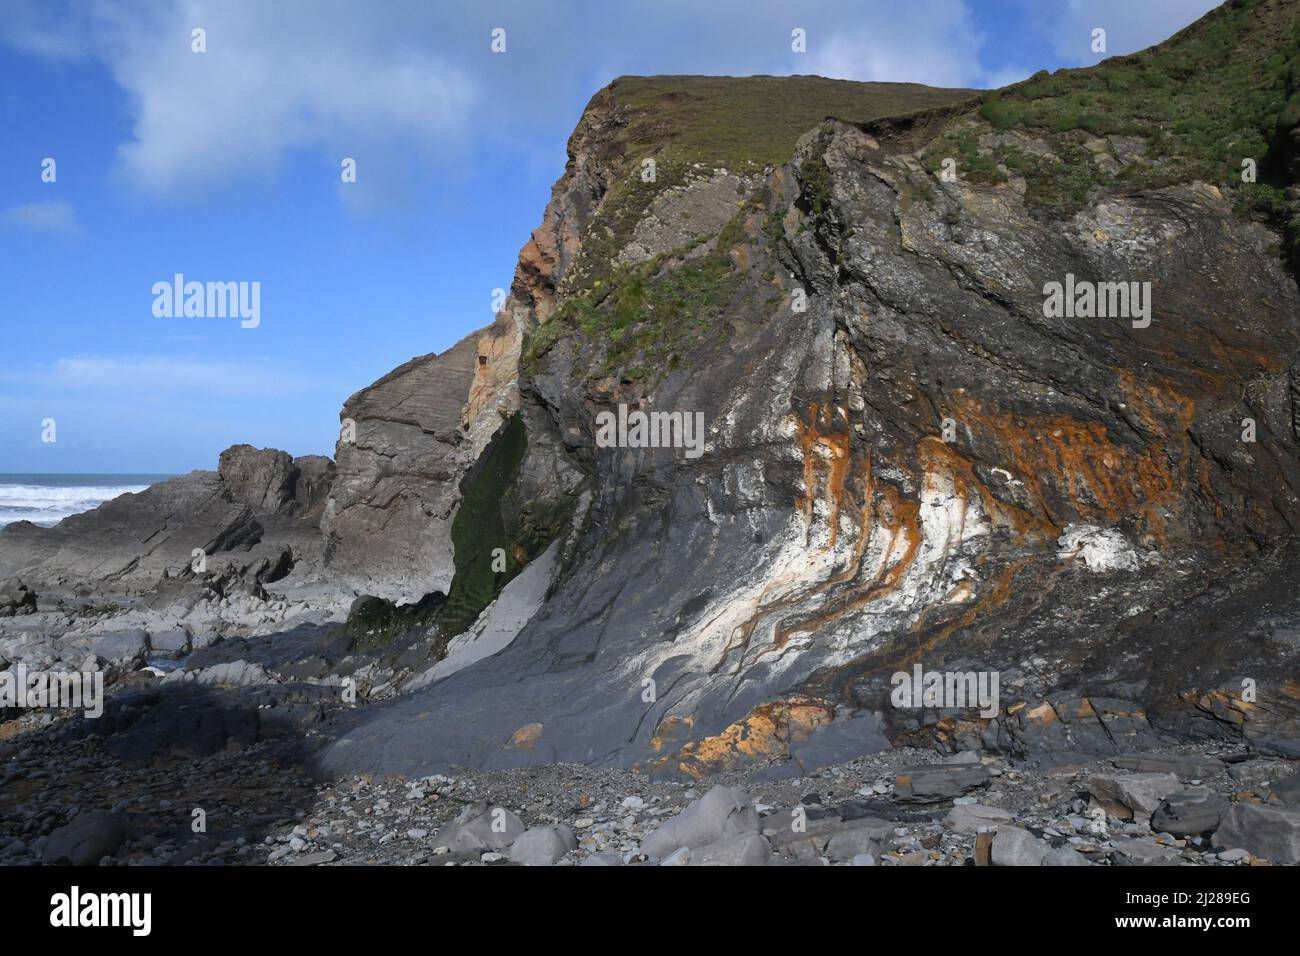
1129,26
56,216
181,376
936,43
326,75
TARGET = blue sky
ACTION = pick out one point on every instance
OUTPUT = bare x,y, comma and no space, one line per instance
224,166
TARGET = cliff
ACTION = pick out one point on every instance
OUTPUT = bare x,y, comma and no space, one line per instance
913,455
998,383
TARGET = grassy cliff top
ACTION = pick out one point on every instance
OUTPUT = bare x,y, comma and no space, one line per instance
755,120
1225,89
692,125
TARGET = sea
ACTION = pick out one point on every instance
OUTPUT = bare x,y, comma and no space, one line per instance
48,499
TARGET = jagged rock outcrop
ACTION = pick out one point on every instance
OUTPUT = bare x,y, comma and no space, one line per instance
388,517
191,555
270,481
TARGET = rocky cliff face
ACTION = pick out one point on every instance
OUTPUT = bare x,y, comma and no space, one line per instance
913,456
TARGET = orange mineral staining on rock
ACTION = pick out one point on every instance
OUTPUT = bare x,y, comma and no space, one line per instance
525,738
1074,471
767,731
826,456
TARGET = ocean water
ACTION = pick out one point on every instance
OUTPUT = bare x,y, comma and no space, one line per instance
48,499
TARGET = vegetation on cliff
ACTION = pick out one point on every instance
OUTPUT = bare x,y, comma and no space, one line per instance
495,535
645,317
692,125
1222,91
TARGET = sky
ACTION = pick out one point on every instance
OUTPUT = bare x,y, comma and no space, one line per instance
225,166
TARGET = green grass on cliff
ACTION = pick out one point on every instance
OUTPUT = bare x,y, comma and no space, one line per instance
755,121
1214,94
692,125
648,315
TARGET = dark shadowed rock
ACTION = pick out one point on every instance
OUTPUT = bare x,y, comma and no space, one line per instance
16,598
1186,767
86,840
1189,812
934,783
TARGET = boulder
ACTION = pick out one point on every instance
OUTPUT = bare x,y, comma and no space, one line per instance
1256,773
1287,747
930,784
234,674
722,812
855,838
1145,853
1286,790
543,846
1268,832
972,817
1133,796
480,826
1013,846
830,837
1065,856
16,598
1189,767
173,641
744,849
603,858
118,647
262,478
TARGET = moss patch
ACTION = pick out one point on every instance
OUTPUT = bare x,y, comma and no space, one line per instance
478,529
376,623
490,517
